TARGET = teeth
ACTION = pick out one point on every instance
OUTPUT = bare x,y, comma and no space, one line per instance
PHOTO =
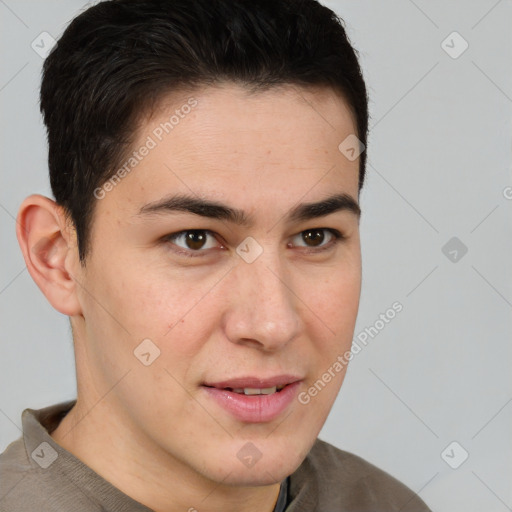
256,391
264,391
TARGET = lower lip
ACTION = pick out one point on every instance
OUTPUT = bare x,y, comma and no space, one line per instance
254,408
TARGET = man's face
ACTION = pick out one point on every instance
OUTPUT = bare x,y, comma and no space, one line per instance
225,311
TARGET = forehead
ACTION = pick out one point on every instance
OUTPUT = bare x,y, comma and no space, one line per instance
227,142
273,111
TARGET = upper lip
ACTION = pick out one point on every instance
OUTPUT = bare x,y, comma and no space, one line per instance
254,382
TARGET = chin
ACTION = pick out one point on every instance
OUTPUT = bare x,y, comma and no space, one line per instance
253,467
268,474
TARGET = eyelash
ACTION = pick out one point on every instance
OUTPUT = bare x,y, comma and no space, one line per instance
338,237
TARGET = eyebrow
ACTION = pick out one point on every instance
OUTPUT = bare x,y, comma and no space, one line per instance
219,211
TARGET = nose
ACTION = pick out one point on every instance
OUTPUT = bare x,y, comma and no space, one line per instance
263,307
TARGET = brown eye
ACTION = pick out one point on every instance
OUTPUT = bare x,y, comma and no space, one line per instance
193,240
313,237
317,238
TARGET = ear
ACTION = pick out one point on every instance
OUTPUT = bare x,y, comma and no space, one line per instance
48,244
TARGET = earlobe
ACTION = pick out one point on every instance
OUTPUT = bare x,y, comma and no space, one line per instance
50,254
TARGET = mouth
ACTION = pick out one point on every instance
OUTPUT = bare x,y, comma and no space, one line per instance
255,385
256,391
254,400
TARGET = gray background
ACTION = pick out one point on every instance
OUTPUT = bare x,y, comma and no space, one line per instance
439,167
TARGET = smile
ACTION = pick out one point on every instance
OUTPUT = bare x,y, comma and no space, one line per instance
256,391
253,400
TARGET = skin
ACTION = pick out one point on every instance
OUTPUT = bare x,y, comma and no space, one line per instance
151,430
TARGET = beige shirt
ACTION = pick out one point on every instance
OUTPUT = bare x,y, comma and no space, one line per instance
38,475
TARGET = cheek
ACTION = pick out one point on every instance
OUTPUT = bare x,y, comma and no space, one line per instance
336,301
175,313
333,317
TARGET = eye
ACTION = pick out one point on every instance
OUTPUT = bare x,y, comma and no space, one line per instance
193,240
317,238
197,242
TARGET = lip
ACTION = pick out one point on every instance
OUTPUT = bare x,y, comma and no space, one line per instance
254,408
254,382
